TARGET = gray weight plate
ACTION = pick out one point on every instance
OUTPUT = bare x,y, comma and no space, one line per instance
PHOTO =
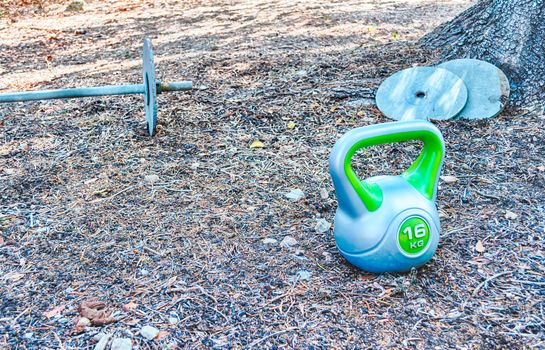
421,93
150,87
487,87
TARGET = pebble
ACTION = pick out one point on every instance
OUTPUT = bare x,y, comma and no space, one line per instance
76,6
172,320
151,179
83,322
99,336
288,242
322,225
295,194
301,275
149,332
324,194
102,341
270,241
121,344
327,256
509,215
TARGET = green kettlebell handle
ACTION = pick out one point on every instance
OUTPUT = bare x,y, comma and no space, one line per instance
422,174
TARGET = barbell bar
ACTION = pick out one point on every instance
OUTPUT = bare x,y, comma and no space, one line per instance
150,88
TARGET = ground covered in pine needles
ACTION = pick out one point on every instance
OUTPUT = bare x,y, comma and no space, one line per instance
106,233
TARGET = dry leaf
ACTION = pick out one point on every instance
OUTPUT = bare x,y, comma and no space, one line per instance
96,312
161,335
388,292
55,311
479,247
509,215
257,144
291,125
130,306
449,179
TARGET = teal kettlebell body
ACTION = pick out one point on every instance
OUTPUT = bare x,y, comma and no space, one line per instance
388,223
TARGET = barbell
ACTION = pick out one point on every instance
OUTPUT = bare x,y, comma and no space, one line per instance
150,88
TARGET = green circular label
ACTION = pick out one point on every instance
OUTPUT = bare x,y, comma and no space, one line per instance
413,235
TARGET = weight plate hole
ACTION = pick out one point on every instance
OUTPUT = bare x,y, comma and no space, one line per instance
147,90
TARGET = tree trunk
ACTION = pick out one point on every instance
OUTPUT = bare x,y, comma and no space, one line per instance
507,33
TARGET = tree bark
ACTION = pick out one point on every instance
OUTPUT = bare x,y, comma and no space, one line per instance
507,33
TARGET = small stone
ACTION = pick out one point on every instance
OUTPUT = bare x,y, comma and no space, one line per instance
479,247
270,241
83,322
324,194
302,275
149,332
257,144
295,194
172,320
144,272
509,215
102,341
301,73
9,171
327,256
151,179
121,344
288,242
98,336
28,335
76,6
322,226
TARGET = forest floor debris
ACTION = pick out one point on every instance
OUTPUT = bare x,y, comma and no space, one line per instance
176,231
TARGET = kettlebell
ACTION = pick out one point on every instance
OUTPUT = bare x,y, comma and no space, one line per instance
388,223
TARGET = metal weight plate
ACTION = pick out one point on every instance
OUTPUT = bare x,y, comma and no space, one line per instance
487,87
150,87
422,93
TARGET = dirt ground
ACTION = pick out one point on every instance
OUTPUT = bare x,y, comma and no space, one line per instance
169,231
